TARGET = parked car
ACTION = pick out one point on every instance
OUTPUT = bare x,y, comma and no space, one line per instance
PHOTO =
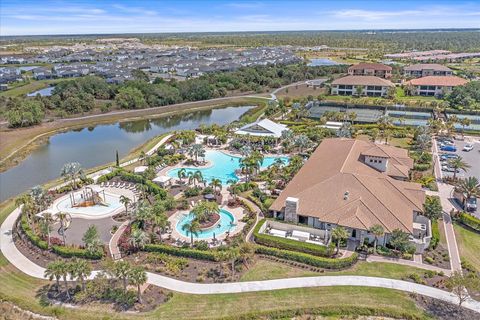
449,156
468,147
449,148
469,205
447,168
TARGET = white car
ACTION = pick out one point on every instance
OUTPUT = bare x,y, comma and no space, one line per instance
468,147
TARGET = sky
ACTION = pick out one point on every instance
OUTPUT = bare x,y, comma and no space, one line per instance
140,16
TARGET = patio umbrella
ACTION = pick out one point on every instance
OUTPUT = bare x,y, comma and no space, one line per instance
209,196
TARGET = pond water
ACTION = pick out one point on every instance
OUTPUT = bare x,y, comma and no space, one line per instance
322,62
45,92
96,145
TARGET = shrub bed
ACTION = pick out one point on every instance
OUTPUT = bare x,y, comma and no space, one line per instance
34,239
470,221
182,252
320,262
287,244
70,252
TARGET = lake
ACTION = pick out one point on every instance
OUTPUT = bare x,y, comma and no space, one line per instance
45,92
322,62
96,145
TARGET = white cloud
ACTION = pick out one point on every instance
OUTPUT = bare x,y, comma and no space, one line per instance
374,15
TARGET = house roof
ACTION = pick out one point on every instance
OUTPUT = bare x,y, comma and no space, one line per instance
263,128
363,81
336,167
448,81
427,66
374,66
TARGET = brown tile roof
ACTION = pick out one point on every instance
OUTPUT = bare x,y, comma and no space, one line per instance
373,197
374,66
363,81
449,81
427,66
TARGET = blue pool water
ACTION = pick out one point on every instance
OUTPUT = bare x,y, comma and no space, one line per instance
223,166
226,224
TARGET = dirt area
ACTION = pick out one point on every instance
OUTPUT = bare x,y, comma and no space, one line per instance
442,310
438,257
300,91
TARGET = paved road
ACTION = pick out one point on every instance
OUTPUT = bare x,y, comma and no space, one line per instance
15,257
445,192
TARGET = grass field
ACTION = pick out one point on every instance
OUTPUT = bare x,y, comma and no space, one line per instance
29,87
469,245
267,270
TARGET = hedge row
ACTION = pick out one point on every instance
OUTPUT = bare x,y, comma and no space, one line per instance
288,244
320,262
182,252
470,221
66,252
34,239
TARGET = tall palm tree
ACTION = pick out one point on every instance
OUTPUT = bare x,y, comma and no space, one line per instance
339,234
160,220
458,164
384,123
465,122
233,254
138,277
72,171
54,270
216,183
64,218
196,150
232,188
121,271
138,238
91,239
470,187
191,227
80,269
126,202
28,207
182,174
378,231
302,142
46,226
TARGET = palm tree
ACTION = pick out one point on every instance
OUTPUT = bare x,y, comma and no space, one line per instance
126,202
378,231
196,150
339,234
28,207
142,157
191,227
302,142
55,270
233,254
232,188
138,238
91,239
465,122
216,183
72,171
384,124
160,220
470,187
247,251
121,271
47,221
182,174
63,218
80,269
458,164
138,277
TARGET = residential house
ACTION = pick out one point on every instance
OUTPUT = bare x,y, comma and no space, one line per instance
361,85
435,86
370,69
356,184
426,69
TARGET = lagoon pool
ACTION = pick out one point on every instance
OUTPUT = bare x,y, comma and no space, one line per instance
227,223
223,166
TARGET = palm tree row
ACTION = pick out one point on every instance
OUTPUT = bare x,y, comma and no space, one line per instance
76,269
126,273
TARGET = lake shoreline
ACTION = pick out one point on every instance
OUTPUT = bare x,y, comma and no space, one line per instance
23,141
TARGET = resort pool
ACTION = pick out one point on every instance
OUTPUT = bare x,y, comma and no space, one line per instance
96,211
227,223
223,166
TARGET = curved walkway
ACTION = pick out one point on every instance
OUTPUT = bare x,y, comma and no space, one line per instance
15,257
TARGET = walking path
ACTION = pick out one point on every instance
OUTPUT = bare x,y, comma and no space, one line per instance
15,257
113,243
445,192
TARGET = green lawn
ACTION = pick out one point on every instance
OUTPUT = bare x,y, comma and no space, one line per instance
469,245
29,87
266,270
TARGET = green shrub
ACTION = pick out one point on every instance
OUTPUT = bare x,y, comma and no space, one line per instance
192,192
34,239
288,244
421,166
210,255
70,252
470,221
429,260
311,260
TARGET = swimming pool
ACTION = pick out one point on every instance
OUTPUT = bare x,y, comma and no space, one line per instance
227,223
223,166
64,205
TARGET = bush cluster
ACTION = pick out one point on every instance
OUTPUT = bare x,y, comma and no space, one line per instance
470,221
182,252
70,252
320,262
287,244
34,239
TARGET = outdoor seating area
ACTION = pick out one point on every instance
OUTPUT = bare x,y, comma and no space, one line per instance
122,185
297,233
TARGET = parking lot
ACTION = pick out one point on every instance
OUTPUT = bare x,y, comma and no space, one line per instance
472,158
